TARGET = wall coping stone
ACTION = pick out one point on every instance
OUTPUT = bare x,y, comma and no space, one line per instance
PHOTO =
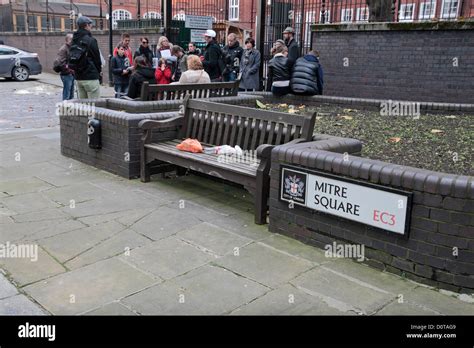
395,26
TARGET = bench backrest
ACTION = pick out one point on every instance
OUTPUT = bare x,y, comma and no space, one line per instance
223,124
195,90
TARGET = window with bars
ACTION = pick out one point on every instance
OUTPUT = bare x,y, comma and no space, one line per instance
326,17
407,12
346,15
233,10
449,9
362,14
119,15
152,15
427,10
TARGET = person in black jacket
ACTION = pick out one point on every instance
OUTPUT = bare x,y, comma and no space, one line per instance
232,56
212,55
142,72
279,72
293,48
121,69
88,76
145,51
307,76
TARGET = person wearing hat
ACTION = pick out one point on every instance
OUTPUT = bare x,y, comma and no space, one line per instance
88,75
212,61
293,48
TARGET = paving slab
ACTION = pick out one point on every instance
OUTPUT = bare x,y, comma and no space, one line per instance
371,277
122,243
341,292
27,185
89,287
406,308
168,258
436,301
20,305
114,308
28,203
6,288
204,291
287,300
68,245
212,238
164,222
126,217
264,264
294,247
25,271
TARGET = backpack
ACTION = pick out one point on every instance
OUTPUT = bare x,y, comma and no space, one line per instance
78,56
57,66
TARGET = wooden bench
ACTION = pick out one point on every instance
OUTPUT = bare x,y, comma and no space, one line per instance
257,132
195,90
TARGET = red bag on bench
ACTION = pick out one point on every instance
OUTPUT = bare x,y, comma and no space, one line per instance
190,145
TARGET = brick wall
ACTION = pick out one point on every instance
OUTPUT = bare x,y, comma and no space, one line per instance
48,44
442,216
404,61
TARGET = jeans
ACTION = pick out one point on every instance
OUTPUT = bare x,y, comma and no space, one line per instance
230,77
68,86
88,89
121,89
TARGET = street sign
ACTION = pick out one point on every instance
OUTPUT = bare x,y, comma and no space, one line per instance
197,35
369,204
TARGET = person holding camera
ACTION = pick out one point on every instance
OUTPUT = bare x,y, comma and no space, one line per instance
163,72
121,69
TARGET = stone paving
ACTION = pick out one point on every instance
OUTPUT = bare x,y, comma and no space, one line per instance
187,245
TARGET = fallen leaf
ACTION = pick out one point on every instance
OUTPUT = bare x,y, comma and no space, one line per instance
450,116
347,117
261,105
347,110
283,105
338,124
318,117
394,140
437,131
301,106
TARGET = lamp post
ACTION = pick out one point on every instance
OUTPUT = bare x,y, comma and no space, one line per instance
111,46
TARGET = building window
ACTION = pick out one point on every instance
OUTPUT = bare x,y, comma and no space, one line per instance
362,14
119,15
152,15
449,9
427,10
326,18
233,10
407,12
180,16
346,15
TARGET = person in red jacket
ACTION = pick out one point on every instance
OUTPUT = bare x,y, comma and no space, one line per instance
163,73
126,46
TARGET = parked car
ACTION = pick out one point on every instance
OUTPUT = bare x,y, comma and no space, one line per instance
18,64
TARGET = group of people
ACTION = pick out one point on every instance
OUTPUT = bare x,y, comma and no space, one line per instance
169,63
290,73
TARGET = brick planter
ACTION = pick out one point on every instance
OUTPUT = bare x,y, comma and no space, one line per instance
442,216
121,137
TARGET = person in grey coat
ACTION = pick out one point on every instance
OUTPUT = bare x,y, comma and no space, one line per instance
249,67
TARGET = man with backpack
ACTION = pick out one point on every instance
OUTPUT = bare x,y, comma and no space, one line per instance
232,56
84,59
213,61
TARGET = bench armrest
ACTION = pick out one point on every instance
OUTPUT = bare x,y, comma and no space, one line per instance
176,121
265,150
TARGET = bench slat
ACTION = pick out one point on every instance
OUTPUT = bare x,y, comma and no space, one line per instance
263,133
279,133
256,130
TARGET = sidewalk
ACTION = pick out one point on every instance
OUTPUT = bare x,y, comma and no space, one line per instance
55,80
107,245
